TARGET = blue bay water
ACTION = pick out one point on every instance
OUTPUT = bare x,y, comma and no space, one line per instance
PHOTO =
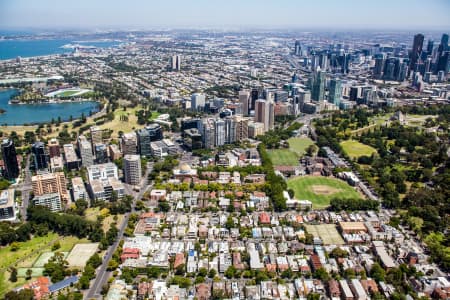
20,114
10,49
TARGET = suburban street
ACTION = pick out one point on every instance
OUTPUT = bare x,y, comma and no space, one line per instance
102,275
25,188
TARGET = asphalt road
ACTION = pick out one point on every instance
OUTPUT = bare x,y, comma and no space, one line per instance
102,275
25,189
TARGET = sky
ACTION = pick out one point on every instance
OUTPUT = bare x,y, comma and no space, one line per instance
296,14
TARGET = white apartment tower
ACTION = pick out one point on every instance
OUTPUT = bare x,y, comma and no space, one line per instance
132,169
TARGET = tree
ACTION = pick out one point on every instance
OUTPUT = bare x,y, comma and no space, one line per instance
202,272
56,267
321,274
338,252
313,296
56,246
212,273
13,275
377,272
29,273
25,294
311,150
230,272
15,246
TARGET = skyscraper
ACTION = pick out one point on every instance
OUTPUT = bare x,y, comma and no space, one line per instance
208,133
318,86
101,154
143,142
175,62
244,98
416,51
132,169
335,93
219,126
96,136
40,156
128,143
197,101
430,46
298,48
10,159
85,149
379,66
265,113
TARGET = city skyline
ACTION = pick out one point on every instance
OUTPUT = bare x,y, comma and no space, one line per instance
63,15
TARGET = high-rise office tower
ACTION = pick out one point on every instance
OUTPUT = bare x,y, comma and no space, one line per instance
219,126
85,148
324,61
10,159
230,130
430,46
128,143
261,112
143,142
257,93
244,99
315,61
197,101
444,62
101,154
241,132
403,70
345,63
318,86
379,66
265,113
443,46
40,156
175,62
96,136
155,132
53,148
416,51
271,113
208,133
132,169
335,93
297,48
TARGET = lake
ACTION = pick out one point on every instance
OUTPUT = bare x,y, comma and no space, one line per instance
20,114
28,48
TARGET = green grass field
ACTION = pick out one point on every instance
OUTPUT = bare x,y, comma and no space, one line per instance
319,190
299,145
289,157
68,93
283,157
355,149
11,257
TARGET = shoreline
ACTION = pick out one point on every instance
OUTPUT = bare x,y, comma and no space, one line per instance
59,101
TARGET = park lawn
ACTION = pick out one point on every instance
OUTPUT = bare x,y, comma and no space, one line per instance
25,248
155,114
283,157
110,219
299,145
11,257
91,213
6,285
355,149
320,190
